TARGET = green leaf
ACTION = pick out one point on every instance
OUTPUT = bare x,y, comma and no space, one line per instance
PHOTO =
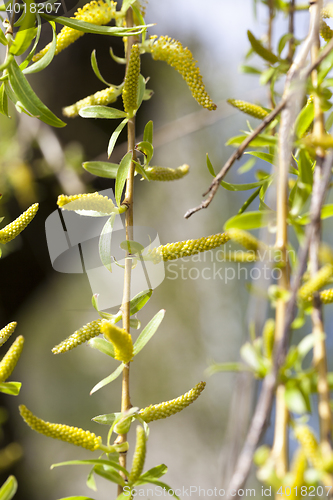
26,33
8,489
243,187
139,301
258,47
110,474
95,67
106,419
252,358
115,135
304,120
326,212
148,132
248,202
3,100
119,60
140,170
226,367
247,166
295,400
164,486
325,67
126,5
249,69
262,156
261,141
3,39
29,99
97,461
101,169
12,388
210,166
146,148
108,380
122,173
47,58
102,345
155,472
250,220
148,332
283,41
103,112
105,243
141,90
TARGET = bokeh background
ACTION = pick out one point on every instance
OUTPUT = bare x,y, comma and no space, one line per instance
206,319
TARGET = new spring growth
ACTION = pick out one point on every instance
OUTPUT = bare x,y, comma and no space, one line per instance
6,332
181,249
99,13
249,109
168,408
268,338
11,358
325,31
73,435
246,239
90,201
173,53
319,280
9,232
103,97
298,468
166,174
87,332
120,339
130,90
309,445
139,455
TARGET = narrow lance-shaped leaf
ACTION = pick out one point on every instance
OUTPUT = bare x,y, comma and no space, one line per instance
249,220
94,65
105,243
261,50
101,169
47,58
101,112
12,388
96,461
148,132
102,345
108,380
115,135
122,173
8,489
148,332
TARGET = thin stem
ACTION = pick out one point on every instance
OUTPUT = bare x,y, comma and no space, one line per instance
319,349
269,43
125,307
291,48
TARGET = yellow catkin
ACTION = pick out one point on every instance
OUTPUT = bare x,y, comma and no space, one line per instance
268,337
298,468
246,240
90,201
9,232
11,358
168,408
327,11
325,31
166,174
99,13
121,341
101,98
130,90
139,455
87,332
6,332
249,108
309,445
173,53
238,256
319,280
181,249
73,435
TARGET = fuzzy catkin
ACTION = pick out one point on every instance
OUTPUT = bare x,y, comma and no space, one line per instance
88,201
181,249
6,332
249,108
100,98
166,174
268,338
319,280
99,13
130,90
168,408
238,256
9,232
121,341
298,468
73,435
87,332
139,455
11,358
173,53
309,445
245,239
325,31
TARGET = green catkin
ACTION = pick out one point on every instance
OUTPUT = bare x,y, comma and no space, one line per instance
99,13
166,174
268,338
319,280
101,98
89,201
246,239
181,249
325,31
130,90
6,332
327,11
309,445
73,435
249,109
87,332
121,341
297,470
9,232
168,408
173,53
139,455
11,358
